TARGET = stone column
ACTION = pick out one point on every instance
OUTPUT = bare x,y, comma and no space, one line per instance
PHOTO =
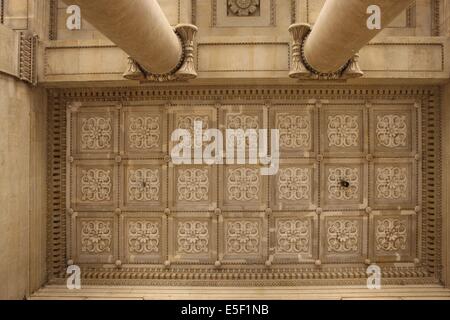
341,31
139,27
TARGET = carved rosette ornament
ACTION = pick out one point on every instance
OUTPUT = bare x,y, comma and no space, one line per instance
242,237
392,131
391,235
293,236
185,69
243,8
143,237
342,236
343,131
392,183
243,184
96,236
294,184
335,188
96,185
193,237
96,133
143,185
295,131
144,132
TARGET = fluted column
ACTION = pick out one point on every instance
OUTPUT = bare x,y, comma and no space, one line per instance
139,27
341,31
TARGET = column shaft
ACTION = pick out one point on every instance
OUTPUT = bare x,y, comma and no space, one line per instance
139,27
341,31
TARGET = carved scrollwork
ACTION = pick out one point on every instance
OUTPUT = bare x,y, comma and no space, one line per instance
96,185
294,184
391,235
243,184
335,188
193,184
144,132
96,133
392,131
143,185
193,237
242,237
343,131
96,236
342,236
295,130
293,236
143,237
392,183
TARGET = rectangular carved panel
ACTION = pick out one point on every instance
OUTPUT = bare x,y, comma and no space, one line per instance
353,188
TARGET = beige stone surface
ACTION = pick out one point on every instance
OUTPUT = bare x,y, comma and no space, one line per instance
246,293
22,188
9,53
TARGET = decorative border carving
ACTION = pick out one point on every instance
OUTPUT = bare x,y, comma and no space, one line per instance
53,20
425,270
435,17
2,11
27,57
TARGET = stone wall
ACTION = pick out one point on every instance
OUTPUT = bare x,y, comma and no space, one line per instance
446,183
22,188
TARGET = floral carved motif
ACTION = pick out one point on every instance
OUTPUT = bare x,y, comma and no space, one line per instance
293,236
294,184
391,235
242,123
144,132
295,131
243,184
96,236
143,237
336,190
243,7
342,236
96,185
96,133
143,185
392,131
193,184
193,237
392,183
242,237
188,123
343,131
